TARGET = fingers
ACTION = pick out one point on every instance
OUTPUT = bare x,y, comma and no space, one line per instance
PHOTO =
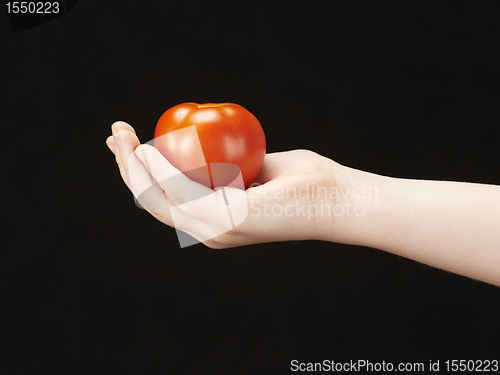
179,188
135,175
125,141
165,192
194,207
110,142
122,125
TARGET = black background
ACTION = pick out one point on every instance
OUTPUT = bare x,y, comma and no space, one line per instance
94,285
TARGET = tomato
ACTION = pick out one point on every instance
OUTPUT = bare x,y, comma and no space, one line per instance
226,132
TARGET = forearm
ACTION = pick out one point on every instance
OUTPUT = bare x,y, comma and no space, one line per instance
450,225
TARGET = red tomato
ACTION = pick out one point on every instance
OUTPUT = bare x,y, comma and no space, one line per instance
227,133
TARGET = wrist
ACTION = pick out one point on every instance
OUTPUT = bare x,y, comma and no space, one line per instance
361,197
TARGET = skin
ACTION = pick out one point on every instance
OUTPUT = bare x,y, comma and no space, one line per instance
448,225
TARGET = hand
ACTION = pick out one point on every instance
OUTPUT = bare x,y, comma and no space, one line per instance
301,195
291,199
